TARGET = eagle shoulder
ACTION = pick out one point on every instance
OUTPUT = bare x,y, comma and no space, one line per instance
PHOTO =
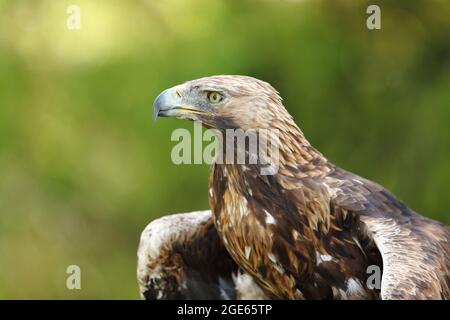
180,256
414,249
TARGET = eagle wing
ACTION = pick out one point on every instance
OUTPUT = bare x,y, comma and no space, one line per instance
181,256
414,249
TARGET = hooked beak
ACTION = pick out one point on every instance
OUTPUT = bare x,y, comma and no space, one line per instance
169,104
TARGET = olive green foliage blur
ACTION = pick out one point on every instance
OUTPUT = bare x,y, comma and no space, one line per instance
83,168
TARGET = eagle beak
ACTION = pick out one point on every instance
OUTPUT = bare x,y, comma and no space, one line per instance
169,103
164,103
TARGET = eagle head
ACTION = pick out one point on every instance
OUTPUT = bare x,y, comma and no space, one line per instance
223,102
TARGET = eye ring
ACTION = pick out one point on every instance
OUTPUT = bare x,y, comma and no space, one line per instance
215,97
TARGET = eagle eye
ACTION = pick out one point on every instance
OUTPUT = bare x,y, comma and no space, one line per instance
215,97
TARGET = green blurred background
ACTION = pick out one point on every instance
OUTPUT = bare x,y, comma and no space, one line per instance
83,168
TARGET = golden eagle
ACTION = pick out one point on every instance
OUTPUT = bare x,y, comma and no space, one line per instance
311,230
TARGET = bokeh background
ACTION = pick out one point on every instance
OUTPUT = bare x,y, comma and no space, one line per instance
83,168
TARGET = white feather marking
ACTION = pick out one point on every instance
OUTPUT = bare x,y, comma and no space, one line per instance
322,258
247,252
343,294
336,293
272,258
279,268
269,218
331,190
243,210
246,287
358,244
299,295
354,287
225,241
326,257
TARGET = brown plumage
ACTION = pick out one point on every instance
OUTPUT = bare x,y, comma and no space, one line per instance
181,256
311,229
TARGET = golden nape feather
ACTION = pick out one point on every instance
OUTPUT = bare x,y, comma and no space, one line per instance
307,230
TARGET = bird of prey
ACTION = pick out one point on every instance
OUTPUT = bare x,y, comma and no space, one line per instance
309,230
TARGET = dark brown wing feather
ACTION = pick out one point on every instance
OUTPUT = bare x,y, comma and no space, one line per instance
180,256
414,249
